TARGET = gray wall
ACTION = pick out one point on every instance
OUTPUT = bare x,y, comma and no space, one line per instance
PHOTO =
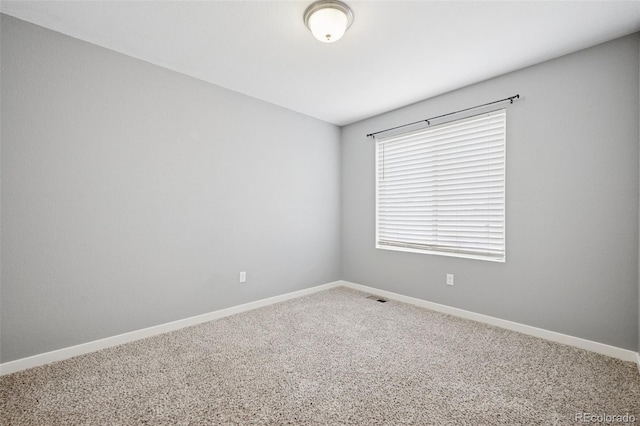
572,201
133,195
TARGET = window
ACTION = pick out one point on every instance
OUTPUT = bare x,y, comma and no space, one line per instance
441,190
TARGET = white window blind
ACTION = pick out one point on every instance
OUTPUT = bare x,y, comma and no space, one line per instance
441,190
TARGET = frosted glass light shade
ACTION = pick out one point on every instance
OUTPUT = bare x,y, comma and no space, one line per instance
328,20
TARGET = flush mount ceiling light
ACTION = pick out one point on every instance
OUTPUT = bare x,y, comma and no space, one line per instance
328,19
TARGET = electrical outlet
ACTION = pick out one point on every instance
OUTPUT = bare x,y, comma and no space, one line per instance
243,277
449,279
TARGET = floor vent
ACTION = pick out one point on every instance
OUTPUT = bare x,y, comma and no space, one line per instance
378,299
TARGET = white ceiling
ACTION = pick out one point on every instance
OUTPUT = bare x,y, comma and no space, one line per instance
395,53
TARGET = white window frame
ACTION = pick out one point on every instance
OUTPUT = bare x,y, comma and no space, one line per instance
496,221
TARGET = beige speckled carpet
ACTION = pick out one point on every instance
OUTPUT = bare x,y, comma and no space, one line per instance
334,357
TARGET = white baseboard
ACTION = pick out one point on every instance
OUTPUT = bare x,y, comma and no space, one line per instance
65,353
601,348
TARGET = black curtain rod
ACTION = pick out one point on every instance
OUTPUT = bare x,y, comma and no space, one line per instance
427,120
